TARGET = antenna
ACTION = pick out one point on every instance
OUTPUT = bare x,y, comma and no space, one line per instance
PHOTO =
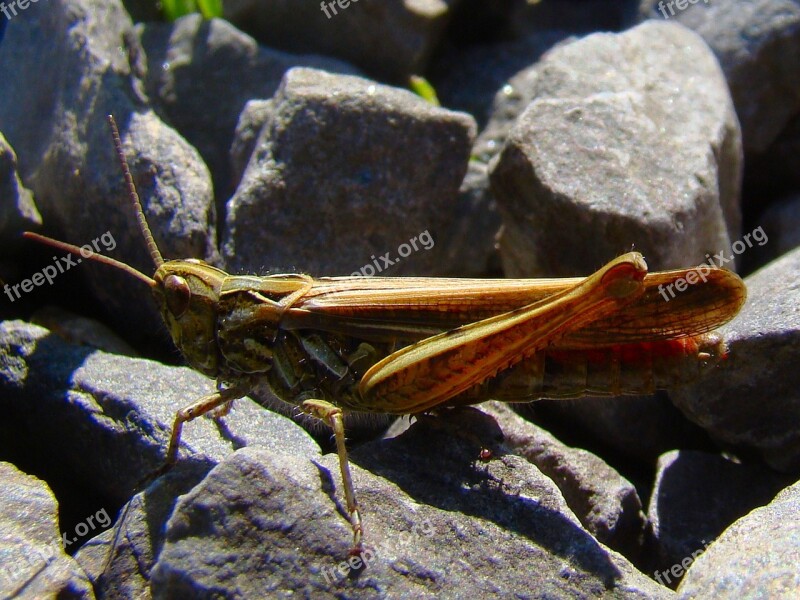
106,260
158,260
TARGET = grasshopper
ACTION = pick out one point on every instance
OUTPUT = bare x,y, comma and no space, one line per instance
414,344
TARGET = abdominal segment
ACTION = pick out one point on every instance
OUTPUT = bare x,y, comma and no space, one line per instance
639,368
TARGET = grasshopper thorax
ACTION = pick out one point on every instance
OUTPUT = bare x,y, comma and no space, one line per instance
187,293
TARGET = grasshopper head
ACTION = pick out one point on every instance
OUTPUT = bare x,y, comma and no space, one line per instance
187,292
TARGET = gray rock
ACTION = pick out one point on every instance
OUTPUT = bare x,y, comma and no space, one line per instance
102,422
70,60
119,561
756,557
469,244
470,78
606,504
18,211
81,331
348,175
647,155
757,43
32,559
508,104
752,399
470,81
391,39
637,429
436,525
696,496
251,120
201,73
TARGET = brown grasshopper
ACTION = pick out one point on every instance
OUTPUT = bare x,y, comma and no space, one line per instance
410,345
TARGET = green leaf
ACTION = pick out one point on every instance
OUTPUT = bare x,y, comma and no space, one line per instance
421,87
210,8
177,8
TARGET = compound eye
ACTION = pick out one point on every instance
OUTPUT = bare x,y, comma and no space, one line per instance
178,294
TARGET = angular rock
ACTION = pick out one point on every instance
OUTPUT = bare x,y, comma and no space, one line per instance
752,399
756,557
82,331
636,429
32,559
348,176
470,78
201,73
101,422
70,60
436,524
696,496
120,560
18,211
596,165
606,504
469,244
475,81
391,39
757,43
251,120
